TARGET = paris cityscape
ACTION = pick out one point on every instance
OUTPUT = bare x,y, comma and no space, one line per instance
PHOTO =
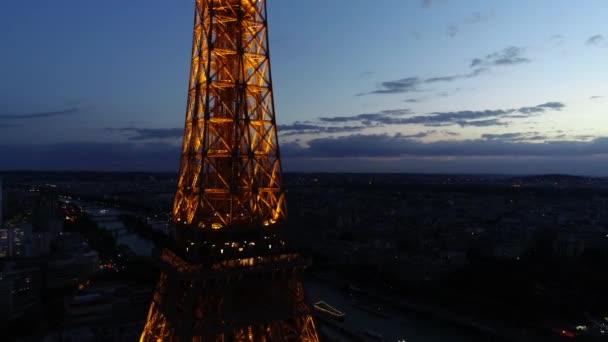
420,170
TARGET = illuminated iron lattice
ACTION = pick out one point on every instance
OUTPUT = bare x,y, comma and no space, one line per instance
190,305
230,175
230,169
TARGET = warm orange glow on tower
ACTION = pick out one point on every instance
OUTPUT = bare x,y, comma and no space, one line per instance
229,276
230,169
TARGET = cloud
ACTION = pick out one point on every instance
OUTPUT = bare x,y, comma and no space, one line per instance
381,116
341,129
151,133
503,136
88,156
298,126
516,116
443,94
508,56
301,129
482,123
596,40
557,39
388,153
476,62
475,18
479,118
427,3
412,100
552,105
454,117
39,115
383,145
529,110
451,78
404,85
411,84
515,137
452,30
396,112
585,137
464,118
540,108
596,97
442,79
366,74
417,135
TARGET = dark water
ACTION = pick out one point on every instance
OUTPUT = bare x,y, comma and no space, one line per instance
401,326
108,219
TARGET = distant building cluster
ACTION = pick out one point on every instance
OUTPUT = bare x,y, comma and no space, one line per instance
382,231
36,255
421,228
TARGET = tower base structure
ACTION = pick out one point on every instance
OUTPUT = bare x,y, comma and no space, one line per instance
256,298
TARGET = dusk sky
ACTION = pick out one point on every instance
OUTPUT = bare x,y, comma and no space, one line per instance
360,85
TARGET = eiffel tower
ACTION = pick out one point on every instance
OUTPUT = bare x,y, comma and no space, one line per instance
229,276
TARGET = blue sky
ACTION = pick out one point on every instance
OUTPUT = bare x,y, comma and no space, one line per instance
360,85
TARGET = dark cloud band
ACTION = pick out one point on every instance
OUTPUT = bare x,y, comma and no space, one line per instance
39,115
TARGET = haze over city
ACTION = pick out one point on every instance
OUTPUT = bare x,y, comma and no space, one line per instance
360,86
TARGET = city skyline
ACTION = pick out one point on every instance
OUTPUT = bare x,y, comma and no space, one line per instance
417,86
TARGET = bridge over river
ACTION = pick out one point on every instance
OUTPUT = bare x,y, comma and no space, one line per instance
108,218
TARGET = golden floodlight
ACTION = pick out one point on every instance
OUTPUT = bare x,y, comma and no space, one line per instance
230,170
218,284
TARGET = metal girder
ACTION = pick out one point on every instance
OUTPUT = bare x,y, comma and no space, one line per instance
245,307
230,170
229,177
